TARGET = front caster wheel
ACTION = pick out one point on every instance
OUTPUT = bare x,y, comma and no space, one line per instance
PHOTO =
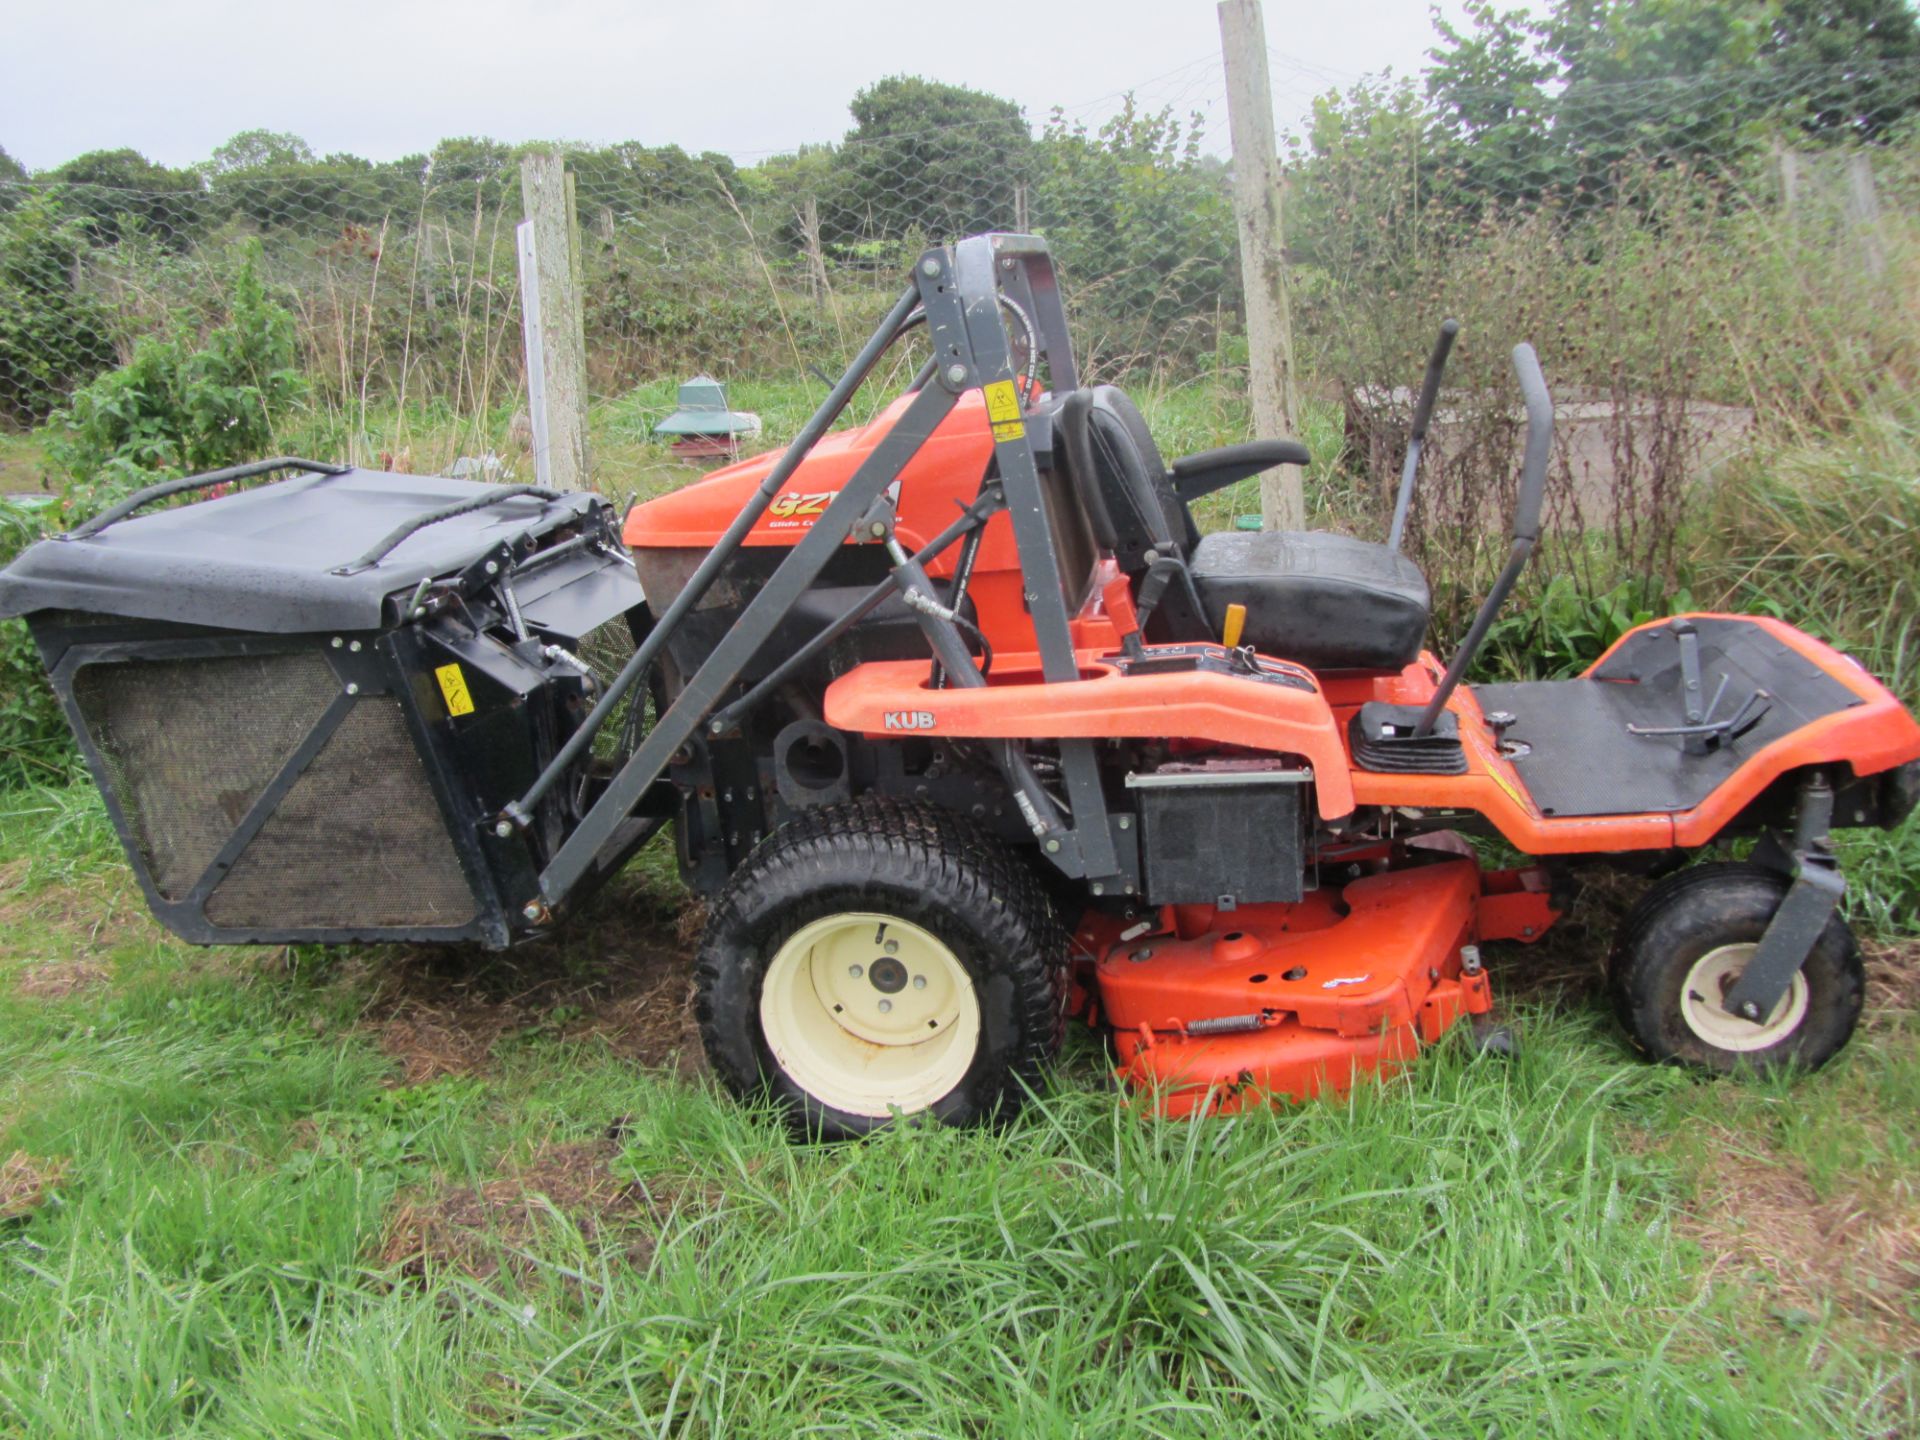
1689,940
877,959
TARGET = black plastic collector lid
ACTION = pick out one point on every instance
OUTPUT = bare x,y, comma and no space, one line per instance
280,559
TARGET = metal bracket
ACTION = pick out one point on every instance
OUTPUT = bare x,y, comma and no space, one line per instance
1689,639
1790,936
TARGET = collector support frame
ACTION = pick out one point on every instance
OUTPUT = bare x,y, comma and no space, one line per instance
958,289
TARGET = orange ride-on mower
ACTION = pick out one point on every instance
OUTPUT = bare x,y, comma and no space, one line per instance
962,726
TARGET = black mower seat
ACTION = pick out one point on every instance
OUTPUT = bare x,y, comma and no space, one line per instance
1326,601
1323,600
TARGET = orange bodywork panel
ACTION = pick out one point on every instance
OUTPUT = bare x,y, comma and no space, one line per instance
1103,704
947,468
1352,973
940,480
1873,736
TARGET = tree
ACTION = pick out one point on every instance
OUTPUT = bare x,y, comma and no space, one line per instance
926,158
53,334
1857,64
13,176
319,196
1528,105
468,170
121,192
629,178
1142,225
258,149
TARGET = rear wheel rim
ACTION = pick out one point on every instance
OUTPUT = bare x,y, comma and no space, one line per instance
870,1014
1703,1007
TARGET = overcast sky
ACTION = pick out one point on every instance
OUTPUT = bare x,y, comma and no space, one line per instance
384,78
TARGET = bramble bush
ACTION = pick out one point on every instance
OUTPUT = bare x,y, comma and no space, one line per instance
53,336
176,406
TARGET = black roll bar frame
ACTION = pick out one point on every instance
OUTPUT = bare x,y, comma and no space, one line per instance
960,288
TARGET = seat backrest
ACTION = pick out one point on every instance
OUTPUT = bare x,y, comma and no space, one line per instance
1122,478
1076,546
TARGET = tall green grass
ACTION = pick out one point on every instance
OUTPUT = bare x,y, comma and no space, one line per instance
1474,1247
1826,533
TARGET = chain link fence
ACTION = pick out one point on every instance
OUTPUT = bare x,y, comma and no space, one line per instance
1705,262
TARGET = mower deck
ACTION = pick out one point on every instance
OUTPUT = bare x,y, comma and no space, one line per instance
1287,1001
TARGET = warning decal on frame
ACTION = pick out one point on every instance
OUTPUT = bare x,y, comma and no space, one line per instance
1003,410
453,685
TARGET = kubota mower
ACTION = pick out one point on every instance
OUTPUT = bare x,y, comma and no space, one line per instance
962,726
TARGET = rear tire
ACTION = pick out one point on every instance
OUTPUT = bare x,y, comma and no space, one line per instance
1690,938
875,958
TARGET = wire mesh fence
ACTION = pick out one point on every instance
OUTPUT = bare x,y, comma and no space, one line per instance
1702,259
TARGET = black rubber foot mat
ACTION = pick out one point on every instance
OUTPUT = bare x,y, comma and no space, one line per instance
1580,758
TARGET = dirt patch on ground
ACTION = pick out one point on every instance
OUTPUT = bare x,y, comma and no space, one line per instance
24,1183
1893,981
92,916
57,979
477,1229
1859,1253
615,976
1567,966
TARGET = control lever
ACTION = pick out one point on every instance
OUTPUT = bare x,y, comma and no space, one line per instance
1701,732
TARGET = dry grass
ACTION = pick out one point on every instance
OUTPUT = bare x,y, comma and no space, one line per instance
91,916
623,982
57,979
25,1182
1893,981
1857,1253
476,1229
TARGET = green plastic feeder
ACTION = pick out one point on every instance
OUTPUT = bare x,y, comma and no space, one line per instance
703,413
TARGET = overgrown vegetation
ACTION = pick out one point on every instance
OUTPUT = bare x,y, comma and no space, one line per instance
265,1193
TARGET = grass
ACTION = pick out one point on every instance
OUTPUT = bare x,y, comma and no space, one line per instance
421,1193
272,1193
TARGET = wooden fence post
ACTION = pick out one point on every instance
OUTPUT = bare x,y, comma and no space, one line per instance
1789,163
1257,206
555,330
1862,211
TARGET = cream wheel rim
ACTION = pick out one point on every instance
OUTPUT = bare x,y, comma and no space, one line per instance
870,1014
1703,1003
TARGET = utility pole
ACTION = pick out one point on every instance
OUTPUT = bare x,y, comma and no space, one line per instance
551,310
1257,202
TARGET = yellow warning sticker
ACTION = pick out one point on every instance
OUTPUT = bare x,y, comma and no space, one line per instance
1003,410
1506,785
1003,401
453,685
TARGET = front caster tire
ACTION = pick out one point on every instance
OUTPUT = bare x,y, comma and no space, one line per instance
877,959
1687,942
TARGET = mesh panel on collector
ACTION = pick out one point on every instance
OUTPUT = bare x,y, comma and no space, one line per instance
190,744
358,842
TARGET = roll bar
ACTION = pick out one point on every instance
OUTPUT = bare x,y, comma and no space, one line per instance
1422,413
1526,525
